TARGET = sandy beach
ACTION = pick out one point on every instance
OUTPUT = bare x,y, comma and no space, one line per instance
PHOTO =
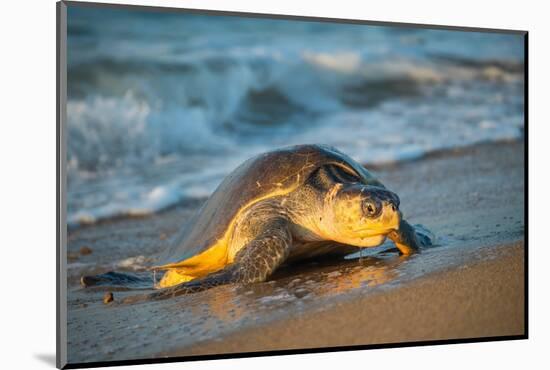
471,284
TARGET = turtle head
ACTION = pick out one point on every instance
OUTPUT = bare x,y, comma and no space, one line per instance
361,215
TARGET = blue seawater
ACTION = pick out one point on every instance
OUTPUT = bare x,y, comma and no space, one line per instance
161,106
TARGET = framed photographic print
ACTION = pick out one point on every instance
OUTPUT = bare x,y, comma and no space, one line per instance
234,184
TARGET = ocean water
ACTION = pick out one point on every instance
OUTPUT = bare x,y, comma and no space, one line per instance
162,106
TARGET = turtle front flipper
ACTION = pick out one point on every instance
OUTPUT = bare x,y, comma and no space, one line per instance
255,262
409,239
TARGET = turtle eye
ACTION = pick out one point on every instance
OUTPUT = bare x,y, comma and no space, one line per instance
369,208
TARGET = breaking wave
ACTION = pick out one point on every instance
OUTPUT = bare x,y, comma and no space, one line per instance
156,116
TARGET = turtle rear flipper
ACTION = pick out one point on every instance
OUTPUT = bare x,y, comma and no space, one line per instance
114,279
255,262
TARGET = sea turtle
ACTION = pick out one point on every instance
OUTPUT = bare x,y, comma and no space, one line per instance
293,203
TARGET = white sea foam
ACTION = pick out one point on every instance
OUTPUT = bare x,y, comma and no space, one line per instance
156,117
346,62
130,203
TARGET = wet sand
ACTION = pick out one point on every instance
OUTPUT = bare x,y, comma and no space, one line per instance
485,299
471,284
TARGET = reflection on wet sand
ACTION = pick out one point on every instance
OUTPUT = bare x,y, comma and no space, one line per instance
296,290
233,303
369,272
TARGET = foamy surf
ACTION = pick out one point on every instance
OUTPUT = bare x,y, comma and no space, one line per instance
157,117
